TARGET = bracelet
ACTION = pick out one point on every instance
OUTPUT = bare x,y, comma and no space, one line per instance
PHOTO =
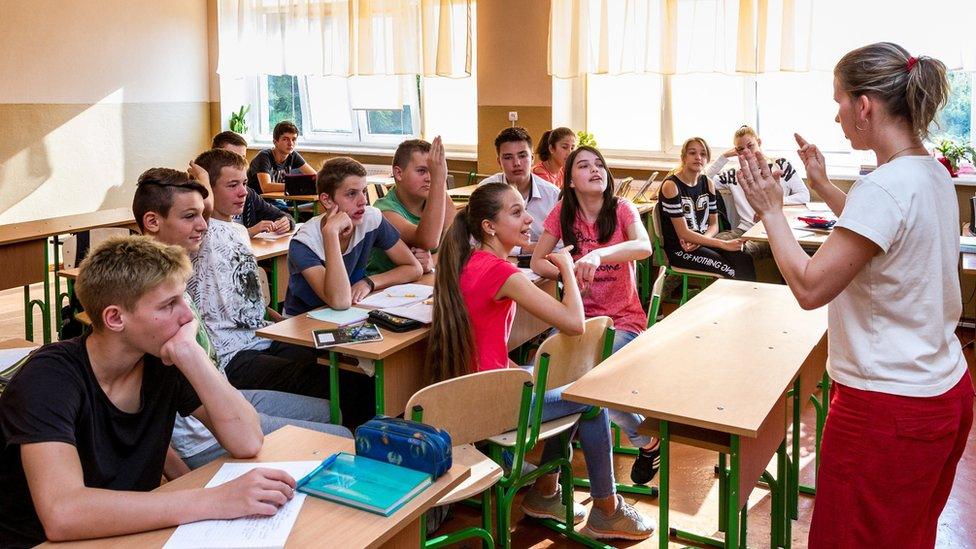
369,282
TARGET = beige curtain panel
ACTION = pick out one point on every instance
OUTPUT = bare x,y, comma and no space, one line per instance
345,37
747,36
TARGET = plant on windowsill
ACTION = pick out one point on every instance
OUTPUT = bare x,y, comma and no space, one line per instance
585,138
238,120
952,153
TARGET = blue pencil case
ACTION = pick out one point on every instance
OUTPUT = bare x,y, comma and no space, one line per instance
405,443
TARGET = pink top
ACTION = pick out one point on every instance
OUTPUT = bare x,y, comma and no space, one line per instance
613,292
491,319
542,171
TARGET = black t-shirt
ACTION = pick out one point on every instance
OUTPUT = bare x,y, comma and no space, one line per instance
55,397
694,203
264,162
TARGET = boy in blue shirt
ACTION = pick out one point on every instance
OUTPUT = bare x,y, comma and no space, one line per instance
327,256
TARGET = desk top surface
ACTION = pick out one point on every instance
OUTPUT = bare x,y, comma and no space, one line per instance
758,232
721,361
17,343
297,197
43,228
321,523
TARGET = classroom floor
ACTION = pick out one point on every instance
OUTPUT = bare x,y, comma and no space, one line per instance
694,494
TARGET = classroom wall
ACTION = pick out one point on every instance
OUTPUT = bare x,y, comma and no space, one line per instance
512,72
95,92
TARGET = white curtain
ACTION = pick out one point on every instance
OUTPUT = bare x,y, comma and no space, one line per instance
345,37
748,36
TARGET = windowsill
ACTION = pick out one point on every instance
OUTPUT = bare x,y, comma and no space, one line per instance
835,173
353,150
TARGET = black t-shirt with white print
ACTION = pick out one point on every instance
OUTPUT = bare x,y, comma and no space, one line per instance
694,203
264,162
55,397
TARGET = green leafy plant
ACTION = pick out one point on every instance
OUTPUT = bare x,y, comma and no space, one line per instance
955,152
585,138
238,120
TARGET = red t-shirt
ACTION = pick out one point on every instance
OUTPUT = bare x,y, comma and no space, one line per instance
613,291
491,319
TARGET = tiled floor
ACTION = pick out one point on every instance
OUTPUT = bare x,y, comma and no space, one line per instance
694,491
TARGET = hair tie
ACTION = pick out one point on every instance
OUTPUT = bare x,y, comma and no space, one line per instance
912,61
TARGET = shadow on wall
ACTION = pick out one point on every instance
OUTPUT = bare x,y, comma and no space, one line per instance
25,159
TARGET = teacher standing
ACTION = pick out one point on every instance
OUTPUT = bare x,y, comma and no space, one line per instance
902,402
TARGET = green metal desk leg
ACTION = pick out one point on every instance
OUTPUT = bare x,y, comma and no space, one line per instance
821,407
294,210
57,284
378,381
44,306
730,508
784,514
664,531
793,486
273,282
334,410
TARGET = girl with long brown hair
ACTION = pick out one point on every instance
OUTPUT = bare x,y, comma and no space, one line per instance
477,290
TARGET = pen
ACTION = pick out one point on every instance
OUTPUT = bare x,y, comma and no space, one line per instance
324,465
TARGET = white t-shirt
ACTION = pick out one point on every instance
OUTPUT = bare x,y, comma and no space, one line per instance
227,290
892,330
543,196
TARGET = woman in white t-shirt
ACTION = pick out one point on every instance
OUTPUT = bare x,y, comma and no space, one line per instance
902,403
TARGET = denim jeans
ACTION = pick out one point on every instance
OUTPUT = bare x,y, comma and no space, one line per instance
627,421
275,410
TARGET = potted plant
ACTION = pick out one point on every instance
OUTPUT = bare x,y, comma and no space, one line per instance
952,153
585,138
238,120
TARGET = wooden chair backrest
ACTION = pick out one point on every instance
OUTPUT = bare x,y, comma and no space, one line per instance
475,406
572,356
657,239
265,286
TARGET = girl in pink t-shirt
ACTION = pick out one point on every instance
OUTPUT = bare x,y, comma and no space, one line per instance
607,238
474,306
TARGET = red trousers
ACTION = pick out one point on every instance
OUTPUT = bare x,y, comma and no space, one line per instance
887,465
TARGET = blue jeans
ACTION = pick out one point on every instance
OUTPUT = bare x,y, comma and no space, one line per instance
275,410
628,421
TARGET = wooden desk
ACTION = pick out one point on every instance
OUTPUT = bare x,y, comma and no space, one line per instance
461,193
757,232
295,199
22,245
16,343
715,374
274,250
398,360
320,523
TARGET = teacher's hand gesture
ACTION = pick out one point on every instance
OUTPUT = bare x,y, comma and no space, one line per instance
813,161
760,183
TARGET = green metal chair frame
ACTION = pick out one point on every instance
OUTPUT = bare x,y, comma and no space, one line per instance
661,257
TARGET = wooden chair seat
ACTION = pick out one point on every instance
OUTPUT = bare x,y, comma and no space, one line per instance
484,474
547,430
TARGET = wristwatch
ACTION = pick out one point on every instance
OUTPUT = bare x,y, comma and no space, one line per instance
369,282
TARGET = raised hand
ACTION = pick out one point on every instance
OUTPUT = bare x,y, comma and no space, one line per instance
813,161
437,162
258,492
760,183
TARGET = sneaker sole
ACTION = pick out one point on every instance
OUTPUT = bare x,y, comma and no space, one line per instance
540,515
598,534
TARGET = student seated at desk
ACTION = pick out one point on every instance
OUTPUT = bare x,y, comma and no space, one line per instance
327,256
268,168
514,148
258,216
607,239
794,190
225,287
553,149
418,206
168,207
689,220
474,307
85,424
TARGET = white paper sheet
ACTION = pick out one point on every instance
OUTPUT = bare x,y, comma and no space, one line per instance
818,207
421,312
398,296
9,357
250,532
265,235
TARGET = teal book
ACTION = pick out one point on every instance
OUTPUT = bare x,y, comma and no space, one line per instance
364,483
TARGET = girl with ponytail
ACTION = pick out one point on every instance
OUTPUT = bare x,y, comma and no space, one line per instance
902,403
477,290
554,146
